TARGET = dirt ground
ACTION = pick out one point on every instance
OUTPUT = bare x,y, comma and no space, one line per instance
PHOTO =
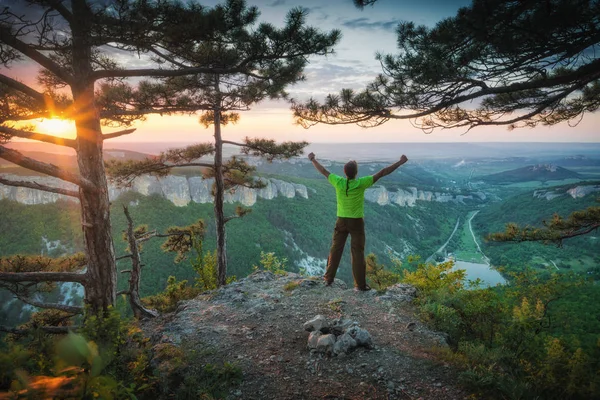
257,323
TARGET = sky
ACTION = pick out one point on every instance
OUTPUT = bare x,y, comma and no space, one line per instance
364,33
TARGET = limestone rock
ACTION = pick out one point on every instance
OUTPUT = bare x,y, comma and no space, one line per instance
581,191
313,339
362,337
344,344
176,189
318,323
325,344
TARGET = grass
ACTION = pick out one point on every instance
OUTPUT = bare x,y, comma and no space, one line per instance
290,286
466,249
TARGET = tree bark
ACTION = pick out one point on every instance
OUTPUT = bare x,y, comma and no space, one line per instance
95,207
139,311
219,197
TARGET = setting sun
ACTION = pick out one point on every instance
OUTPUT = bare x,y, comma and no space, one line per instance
56,126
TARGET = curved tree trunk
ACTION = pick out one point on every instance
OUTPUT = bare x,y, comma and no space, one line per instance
139,311
101,282
219,197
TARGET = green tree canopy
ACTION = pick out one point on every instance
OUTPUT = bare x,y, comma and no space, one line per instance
514,63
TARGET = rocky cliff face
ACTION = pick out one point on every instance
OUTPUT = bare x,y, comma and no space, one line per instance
408,198
575,192
180,190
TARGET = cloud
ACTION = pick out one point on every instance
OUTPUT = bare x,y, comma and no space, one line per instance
329,78
366,23
277,3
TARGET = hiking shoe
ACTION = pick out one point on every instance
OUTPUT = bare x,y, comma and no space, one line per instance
363,289
326,282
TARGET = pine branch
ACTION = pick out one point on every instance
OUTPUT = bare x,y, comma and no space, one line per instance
58,330
123,173
44,168
16,277
40,98
558,229
9,39
269,149
41,137
117,134
62,10
54,306
38,186
162,73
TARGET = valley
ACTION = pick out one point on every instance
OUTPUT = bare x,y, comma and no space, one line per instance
433,207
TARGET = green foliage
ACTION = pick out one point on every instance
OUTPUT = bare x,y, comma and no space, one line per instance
335,305
175,292
124,172
506,339
291,286
270,262
378,277
556,230
438,71
429,278
269,149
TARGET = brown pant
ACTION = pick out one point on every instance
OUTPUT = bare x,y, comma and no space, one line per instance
356,228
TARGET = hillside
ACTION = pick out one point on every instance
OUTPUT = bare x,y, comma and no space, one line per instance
540,172
530,209
257,324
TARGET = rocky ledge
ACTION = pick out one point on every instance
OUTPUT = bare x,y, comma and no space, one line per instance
258,323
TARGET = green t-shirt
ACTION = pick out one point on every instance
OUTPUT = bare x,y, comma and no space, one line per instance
352,205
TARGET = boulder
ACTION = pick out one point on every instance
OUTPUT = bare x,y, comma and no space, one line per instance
325,344
318,323
344,344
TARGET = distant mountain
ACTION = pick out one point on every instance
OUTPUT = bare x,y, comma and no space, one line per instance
578,161
540,172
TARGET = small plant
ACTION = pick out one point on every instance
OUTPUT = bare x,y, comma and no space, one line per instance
290,286
380,278
173,294
336,305
271,263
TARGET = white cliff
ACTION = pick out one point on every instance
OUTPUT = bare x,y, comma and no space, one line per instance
575,192
177,189
409,197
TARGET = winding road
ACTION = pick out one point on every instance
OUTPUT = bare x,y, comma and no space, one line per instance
447,241
485,258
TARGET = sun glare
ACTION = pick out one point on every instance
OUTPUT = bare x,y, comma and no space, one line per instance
55,126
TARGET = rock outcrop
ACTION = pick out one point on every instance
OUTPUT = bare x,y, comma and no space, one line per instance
180,190
575,192
409,197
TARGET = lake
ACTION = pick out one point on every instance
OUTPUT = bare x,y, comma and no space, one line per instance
489,276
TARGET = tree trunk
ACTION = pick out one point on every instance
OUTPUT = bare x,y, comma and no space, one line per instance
101,283
139,311
219,197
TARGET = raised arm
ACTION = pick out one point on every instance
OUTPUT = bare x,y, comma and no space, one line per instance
318,166
389,169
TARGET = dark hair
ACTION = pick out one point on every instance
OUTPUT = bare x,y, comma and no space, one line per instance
350,169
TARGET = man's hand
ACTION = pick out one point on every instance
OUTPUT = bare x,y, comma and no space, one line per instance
317,165
403,159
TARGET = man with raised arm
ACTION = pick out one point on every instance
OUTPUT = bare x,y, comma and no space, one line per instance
350,194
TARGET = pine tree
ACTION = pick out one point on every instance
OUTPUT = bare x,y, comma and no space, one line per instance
73,43
262,61
514,63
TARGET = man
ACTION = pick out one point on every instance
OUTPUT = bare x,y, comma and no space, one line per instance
350,194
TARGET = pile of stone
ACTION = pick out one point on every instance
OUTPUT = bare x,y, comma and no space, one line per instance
340,336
